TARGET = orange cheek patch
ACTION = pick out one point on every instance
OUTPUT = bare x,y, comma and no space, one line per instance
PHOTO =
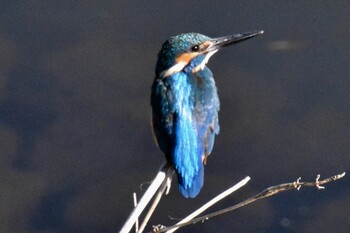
186,57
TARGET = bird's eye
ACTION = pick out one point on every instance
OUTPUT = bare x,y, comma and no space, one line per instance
195,48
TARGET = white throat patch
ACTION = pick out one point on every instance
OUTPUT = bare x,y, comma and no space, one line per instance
204,62
174,69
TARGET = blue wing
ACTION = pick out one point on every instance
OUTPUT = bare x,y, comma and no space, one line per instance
185,121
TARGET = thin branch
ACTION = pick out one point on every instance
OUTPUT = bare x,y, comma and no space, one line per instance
264,194
137,220
166,183
212,202
158,180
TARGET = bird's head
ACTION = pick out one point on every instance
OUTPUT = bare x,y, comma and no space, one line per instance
191,51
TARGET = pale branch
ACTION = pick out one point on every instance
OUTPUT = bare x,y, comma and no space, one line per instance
212,202
273,190
152,189
165,185
137,220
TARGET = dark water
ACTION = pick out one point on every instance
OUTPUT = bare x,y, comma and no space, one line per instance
75,137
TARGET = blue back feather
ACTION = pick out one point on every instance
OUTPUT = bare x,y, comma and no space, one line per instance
187,160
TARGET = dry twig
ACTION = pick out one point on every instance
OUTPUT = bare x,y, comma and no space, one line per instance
165,185
212,202
152,189
273,190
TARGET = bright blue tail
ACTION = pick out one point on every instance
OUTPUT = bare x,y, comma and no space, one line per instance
192,190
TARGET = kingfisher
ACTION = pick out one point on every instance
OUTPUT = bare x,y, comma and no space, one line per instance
185,104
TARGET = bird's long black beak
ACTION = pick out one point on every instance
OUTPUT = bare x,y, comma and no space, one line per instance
220,42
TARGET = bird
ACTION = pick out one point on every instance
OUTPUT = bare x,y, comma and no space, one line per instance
185,104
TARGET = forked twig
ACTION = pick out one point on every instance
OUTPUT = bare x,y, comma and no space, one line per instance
165,185
264,194
157,182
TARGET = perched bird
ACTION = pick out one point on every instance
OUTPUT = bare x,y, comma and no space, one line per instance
185,104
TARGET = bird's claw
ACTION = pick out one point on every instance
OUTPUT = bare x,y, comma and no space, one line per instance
168,185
